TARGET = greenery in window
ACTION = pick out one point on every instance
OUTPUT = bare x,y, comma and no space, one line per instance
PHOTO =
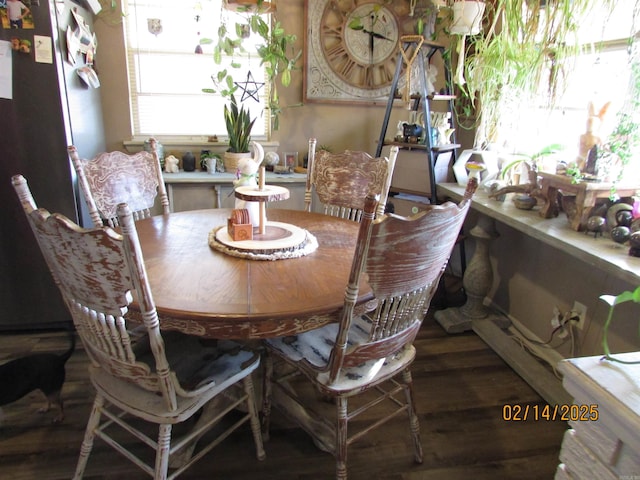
530,159
521,42
277,53
623,142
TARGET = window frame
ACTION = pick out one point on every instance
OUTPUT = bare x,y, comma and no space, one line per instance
135,32
530,129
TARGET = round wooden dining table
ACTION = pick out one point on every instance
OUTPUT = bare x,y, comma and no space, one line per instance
202,291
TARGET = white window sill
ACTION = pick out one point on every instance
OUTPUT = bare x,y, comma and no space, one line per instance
194,144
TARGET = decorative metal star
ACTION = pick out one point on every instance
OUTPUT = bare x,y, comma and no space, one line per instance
249,92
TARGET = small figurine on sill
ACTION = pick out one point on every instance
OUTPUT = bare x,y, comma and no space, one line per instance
400,131
634,244
432,76
171,164
590,140
596,225
444,129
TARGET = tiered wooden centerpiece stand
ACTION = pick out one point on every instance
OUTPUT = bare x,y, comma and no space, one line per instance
268,237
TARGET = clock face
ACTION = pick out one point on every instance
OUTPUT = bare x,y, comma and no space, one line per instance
365,54
352,48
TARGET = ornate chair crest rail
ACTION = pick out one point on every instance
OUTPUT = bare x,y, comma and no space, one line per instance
115,177
341,181
160,378
367,355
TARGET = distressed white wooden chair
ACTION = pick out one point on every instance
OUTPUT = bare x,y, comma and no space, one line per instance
162,378
112,178
366,359
341,181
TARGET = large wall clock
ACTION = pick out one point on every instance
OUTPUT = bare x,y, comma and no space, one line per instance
352,48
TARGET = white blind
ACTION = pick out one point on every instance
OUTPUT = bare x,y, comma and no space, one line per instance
166,76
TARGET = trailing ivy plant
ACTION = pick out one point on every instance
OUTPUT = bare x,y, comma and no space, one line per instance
277,54
613,301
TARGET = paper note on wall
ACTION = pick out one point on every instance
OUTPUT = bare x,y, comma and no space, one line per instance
44,49
6,73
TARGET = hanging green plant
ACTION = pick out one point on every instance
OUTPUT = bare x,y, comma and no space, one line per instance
505,63
277,54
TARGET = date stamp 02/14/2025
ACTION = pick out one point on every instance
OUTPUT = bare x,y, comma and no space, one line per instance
562,412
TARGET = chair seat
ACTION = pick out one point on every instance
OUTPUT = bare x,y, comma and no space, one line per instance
195,361
219,367
315,347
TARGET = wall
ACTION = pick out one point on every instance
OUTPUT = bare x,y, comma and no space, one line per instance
531,278
359,130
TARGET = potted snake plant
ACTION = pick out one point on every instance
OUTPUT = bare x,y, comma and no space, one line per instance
239,124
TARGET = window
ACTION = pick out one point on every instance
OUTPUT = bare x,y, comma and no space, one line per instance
601,74
166,76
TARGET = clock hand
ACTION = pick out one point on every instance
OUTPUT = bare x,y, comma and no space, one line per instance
371,41
376,35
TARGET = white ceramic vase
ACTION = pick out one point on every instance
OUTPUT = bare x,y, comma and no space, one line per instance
467,17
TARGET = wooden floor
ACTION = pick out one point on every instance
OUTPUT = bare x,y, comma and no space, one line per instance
461,388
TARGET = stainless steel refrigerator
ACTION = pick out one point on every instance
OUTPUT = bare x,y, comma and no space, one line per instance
51,107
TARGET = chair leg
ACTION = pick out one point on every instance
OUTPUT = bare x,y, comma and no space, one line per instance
341,439
414,424
254,420
89,435
266,394
162,452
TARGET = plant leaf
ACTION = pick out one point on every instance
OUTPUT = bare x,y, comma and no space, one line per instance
286,78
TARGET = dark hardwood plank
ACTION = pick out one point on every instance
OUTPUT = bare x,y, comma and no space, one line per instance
461,388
